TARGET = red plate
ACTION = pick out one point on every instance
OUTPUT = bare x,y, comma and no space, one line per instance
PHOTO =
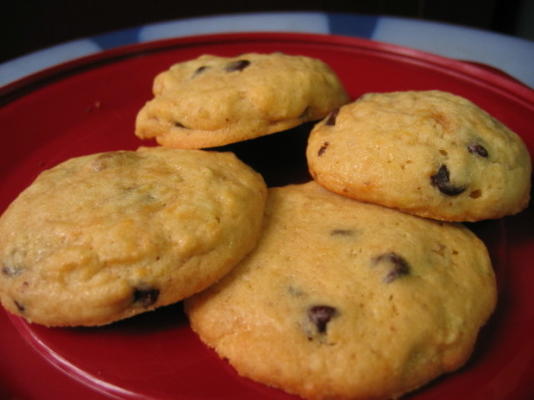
89,105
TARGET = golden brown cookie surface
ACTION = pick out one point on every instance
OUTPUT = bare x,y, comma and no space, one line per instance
428,153
106,236
212,101
347,300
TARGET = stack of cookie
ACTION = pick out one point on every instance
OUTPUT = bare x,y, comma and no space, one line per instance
362,285
357,284
107,236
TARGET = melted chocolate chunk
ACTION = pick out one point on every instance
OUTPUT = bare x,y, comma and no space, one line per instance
323,149
331,119
199,70
145,296
305,114
320,316
10,270
19,306
442,181
478,149
238,65
179,125
341,232
400,266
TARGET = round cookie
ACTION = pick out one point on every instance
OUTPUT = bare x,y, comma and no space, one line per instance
106,236
212,101
428,153
348,300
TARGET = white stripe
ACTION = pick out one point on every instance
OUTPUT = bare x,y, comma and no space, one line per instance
39,60
312,22
509,54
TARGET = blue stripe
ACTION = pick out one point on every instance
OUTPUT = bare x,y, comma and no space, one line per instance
352,24
117,38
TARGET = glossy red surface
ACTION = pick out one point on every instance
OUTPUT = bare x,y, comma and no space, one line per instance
89,105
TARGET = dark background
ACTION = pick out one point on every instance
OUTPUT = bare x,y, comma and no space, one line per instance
29,25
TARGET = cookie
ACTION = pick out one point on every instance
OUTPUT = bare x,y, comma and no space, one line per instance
428,153
347,300
107,236
212,101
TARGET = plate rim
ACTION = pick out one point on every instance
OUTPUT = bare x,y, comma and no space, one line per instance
475,72
507,85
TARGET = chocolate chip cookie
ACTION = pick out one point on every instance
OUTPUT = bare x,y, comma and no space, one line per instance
429,153
212,101
107,236
348,300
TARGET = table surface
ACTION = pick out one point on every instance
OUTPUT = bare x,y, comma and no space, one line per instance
512,55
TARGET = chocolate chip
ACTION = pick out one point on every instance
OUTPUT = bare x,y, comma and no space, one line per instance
320,316
478,149
10,270
442,181
238,65
305,114
399,268
323,149
145,296
331,119
341,232
201,69
19,306
179,125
